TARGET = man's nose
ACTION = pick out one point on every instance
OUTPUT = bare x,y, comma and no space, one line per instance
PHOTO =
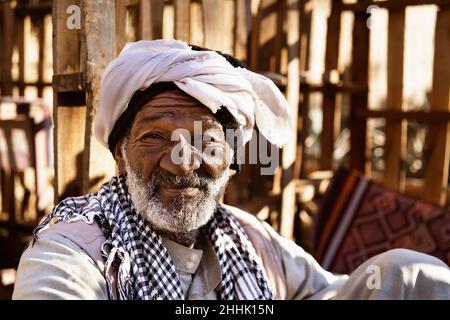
183,159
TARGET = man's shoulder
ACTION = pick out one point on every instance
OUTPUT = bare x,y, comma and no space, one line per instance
259,232
58,265
89,237
244,217
79,230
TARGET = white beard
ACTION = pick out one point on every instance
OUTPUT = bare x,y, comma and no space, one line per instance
188,215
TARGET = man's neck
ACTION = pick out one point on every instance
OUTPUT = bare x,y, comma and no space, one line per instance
186,239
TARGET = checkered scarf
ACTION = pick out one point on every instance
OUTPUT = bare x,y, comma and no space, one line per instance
135,254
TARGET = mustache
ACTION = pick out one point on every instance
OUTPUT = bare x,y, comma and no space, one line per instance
194,180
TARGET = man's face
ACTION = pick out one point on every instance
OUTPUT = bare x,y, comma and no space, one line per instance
173,184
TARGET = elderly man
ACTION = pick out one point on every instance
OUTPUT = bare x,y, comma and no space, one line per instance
157,230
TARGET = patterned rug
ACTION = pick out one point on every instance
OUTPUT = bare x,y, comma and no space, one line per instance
359,218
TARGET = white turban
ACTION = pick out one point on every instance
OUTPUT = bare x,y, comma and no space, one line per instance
204,75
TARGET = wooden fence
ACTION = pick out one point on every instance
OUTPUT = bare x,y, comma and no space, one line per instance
435,184
274,38
24,71
13,37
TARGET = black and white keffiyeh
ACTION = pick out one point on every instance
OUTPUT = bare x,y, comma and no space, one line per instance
135,252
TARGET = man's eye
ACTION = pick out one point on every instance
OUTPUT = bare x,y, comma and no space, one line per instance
209,140
156,136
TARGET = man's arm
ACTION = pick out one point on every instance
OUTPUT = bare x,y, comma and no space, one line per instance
56,268
305,278
293,273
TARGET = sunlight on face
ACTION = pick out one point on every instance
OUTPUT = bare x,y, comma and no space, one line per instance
185,213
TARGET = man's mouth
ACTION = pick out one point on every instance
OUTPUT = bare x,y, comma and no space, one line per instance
174,190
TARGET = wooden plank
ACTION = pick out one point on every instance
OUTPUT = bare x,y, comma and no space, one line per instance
241,29
395,145
392,5
130,3
228,26
98,45
413,186
66,42
182,19
396,115
344,87
303,120
293,78
7,49
144,14
150,19
437,150
17,83
289,153
70,82
305,34
69,122
358,100
267,35
120,23
302,133
36,8
261,185
68,138
196,36
213,24
329,133
41,43
156,17
26,126
1,51
21,52
280,36
254,36
8,174
131,23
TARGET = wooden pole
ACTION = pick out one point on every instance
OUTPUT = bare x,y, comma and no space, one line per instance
438,149
196,35
80,56
329,133
241,29
395,146
213,24
21,52
267,18
182,19
303,118
120,25
150,19
99,47
289,152
69,113
41,39
360,65
7,33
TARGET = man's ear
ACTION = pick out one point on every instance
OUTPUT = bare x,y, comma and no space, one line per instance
118,156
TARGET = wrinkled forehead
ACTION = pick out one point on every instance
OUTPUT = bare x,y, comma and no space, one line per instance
176,98
175,105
